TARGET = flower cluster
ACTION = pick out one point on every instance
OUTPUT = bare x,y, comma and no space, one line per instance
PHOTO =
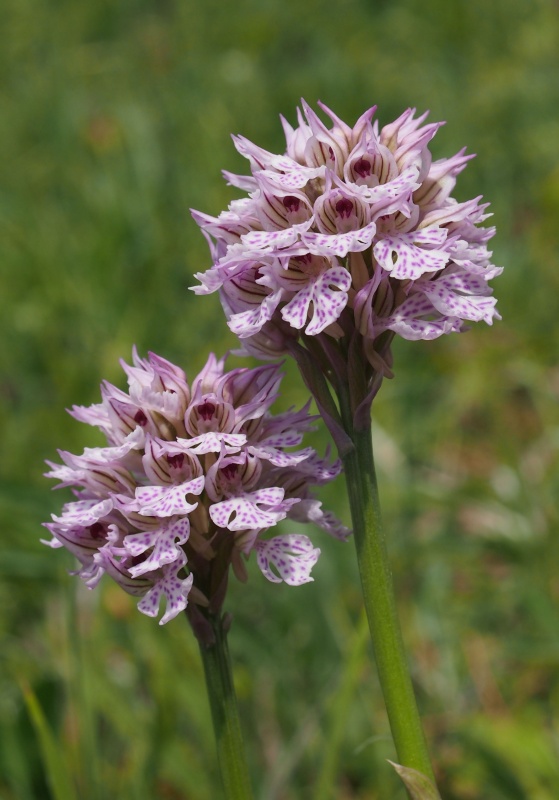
352,229
191,479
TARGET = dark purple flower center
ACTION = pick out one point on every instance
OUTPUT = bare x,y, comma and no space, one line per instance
140,418
344,207
97,530
230,471
306,258
362,167
291,204
206,410
176,461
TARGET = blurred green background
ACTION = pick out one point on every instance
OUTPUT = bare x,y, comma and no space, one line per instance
115,120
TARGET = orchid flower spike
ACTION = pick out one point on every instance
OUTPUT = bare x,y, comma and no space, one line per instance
352,235
190,482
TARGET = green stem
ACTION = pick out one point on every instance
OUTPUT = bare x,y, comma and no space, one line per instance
225,714
380,603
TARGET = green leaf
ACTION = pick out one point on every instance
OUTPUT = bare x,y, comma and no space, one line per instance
418,785
56,769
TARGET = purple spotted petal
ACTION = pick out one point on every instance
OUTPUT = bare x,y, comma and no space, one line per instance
213,442
247,323
339,244
210,281
165,501
311,511
278,457
175,591
272,241
320,470
287,558
442,293
246,512
408,256
410,323
296,178
84,512
387,197
328,303
164,542
290,438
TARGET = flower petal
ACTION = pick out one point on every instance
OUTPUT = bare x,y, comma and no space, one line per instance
340,244
175,591
84,512
292,556
446,300
212,442
328,303
247,323
165,501
245,513
261,242
164,541
408,256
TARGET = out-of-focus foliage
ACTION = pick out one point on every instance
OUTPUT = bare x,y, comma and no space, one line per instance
115,119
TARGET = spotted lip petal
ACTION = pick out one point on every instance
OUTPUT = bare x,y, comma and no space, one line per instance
165,541
451,303
210,442
247,323
408,256
166,501
417,318
340,244
258,243
292,557
261,509
295,178
312,509
278,457
327,302
168,585
84,512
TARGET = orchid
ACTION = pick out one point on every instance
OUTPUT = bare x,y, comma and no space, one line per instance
349,237
190,481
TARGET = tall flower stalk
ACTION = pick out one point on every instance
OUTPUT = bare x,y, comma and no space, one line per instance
225,713
191,480
347,239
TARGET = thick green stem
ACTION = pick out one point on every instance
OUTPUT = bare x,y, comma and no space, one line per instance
380,603
225,714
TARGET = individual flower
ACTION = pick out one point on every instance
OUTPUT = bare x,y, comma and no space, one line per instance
191,480
352,235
